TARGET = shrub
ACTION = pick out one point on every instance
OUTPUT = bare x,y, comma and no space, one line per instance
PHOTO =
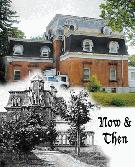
118,102
93,84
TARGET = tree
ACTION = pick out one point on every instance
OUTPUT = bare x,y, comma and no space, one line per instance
7,18
93,85
72,136
39,37
132,61
78,113
120,15
51,134
14,32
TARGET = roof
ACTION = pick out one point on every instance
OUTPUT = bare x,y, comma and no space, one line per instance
28,40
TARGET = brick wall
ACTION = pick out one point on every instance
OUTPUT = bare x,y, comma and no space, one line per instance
25,67
73,67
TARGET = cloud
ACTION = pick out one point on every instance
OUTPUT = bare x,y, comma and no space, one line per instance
36,15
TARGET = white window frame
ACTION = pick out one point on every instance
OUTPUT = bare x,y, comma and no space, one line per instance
88,45
113,47
113,78
45,51
14,75
18,50
85,68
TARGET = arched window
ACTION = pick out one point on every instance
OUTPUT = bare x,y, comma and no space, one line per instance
18,50
45,51
113,47
87,45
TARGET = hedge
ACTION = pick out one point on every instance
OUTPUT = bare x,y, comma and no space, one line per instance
114,99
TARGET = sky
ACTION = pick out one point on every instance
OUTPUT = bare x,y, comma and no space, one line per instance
35,15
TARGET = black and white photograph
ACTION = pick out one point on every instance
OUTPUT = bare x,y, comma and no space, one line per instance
67,83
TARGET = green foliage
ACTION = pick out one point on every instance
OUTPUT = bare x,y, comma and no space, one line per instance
7,18
108,99
93,84
132,61
14,32
118,102
39,37
120,15
72,136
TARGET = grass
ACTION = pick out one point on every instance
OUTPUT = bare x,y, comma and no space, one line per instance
13,160
91,158
114,99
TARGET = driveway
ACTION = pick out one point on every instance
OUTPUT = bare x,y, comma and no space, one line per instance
57,159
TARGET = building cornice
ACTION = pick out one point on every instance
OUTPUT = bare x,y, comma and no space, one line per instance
28,59
94,32
82,55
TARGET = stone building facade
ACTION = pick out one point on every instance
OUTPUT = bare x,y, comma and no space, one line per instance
78,47
41,101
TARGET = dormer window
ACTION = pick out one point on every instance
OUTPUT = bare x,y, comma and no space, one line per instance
18,50
113,47
45,51
87,45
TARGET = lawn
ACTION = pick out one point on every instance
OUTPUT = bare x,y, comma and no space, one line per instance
114,99
93,158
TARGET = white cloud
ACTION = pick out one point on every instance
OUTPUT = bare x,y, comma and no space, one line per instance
35,15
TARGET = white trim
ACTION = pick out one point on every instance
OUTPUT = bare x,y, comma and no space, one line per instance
28,59
82,55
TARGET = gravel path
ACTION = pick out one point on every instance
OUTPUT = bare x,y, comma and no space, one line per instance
57,159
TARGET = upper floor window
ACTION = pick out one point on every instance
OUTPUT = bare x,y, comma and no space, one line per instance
45,51
87,45
113,47
18,50
16,101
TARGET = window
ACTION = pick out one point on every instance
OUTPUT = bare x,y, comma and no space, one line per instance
18,50
87,45
112,74
17,75
113,47
133,75
86,73
45,51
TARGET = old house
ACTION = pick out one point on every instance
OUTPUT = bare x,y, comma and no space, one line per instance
78,47
41,101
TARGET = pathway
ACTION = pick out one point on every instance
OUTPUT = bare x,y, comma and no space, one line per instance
57,159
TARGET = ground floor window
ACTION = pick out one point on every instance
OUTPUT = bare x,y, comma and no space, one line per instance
86,73
112,74
133,75
17,75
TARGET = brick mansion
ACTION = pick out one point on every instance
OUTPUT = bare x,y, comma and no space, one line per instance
78,47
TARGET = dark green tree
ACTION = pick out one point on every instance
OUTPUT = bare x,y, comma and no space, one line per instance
120,15
7,18
78,113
